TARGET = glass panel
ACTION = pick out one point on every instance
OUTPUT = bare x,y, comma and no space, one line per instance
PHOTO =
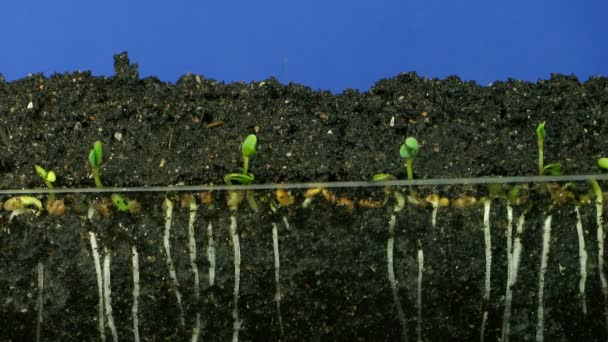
440,262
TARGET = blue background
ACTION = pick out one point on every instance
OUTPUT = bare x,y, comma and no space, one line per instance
323,44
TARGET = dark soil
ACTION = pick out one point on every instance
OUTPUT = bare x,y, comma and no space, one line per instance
333,260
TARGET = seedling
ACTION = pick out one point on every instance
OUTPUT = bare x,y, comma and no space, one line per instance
120,202
516,196
511,194
552,169
23,204
53,206
245,178
123,204
49,178
409,151
248,150
95,160
603,163
599,205
379,177
496,191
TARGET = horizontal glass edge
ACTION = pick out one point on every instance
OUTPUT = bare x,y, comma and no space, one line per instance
354,184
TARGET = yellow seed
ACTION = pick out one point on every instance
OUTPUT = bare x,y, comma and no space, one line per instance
459,203
369,203
20,202
206,198
103,207
345,202
309,193
234,199
185,200
432,199
135,207
55,208
329,197
285,198
13,203
464,202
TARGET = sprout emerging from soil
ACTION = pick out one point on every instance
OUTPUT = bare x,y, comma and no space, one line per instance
599,204
49,178
248,149
603,163
552,169
124,204
379,177
53,206
95,159
409,151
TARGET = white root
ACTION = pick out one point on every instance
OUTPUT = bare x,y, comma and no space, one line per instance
237,277
513,258
211,254
600,252
135,307
488,277
420,258
582,257
287,226
192,253
97,264
540,326
390,244
167,245
107,294
277,274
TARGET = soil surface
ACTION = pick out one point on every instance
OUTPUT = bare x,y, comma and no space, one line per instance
333,258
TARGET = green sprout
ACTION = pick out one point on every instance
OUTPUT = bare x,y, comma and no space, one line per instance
124,204
496,191
597,190
595,186
552,169
95,160
514,194
245,178
409,151
248,150
603,163
49,178
379,177
120,202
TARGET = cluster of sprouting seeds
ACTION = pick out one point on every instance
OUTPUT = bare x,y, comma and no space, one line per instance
408,151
